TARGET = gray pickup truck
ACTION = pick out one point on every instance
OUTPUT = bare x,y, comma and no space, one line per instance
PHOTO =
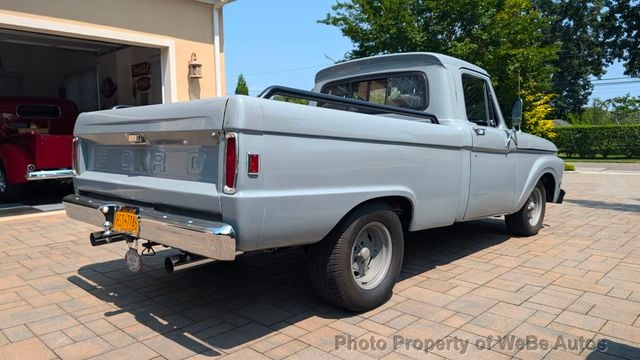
386,145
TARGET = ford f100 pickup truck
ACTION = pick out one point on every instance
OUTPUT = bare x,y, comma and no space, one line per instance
386,145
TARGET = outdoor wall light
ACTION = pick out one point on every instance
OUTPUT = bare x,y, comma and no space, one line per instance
195,67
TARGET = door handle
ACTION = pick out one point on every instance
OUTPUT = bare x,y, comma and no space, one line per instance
479,131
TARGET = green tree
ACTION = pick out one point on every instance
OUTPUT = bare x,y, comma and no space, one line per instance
624,35
595,114
291,99
557,46
581,29
620,110
625,109
538,118
506,37
241,86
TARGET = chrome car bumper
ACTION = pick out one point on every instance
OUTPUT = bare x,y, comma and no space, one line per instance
49,174
211,239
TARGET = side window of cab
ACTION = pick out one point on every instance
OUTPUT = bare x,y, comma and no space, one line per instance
479,104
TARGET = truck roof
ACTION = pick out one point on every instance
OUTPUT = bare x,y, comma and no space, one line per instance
382,62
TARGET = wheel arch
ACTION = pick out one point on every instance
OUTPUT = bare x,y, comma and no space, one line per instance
549,182
549,171
401,205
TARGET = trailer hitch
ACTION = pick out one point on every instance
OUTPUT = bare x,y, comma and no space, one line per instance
147,249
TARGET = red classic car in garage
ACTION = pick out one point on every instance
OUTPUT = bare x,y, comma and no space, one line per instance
35,142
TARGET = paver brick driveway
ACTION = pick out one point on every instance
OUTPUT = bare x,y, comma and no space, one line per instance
578,280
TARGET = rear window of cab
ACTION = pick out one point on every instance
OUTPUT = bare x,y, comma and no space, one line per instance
406,90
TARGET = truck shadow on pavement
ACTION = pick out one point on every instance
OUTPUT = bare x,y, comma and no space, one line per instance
594,204
609,349
218,307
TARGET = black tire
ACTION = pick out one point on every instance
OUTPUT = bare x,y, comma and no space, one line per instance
528,221
9,192
331,265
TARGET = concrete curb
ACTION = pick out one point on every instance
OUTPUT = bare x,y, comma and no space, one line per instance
29,216
603,172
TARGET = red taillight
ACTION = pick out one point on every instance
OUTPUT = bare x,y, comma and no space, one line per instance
231,163
253,164
74,156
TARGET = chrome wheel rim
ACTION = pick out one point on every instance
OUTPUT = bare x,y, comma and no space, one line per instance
371,255
534,207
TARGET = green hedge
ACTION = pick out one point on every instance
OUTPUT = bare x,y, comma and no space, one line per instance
590,140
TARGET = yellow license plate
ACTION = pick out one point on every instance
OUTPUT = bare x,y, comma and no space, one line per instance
126,220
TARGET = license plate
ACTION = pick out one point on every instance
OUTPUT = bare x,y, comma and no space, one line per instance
125,220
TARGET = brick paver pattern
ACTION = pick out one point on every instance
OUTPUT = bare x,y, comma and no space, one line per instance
578,278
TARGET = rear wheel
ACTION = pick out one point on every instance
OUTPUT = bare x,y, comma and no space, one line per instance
8,192
357,264
529,219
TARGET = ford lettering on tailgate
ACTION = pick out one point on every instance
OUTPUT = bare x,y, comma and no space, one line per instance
198,163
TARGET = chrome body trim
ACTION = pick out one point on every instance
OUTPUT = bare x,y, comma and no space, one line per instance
136,138
178,137
226,189
49,174
212,239
74,155
408,143
512,136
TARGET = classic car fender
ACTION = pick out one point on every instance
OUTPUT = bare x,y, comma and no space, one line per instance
316,215
15,160
396,196
547,164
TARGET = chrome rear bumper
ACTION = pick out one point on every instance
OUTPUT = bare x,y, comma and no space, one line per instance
211,239
49,174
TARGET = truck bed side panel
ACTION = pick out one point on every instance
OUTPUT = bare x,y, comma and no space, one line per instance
317,164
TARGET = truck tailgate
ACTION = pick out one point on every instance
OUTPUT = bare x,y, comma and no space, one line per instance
164,156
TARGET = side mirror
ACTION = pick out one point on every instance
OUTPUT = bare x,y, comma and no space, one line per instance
516,114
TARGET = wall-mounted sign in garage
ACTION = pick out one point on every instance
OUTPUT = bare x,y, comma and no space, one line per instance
141,74
108,87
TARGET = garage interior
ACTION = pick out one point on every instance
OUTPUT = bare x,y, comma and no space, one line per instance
95,75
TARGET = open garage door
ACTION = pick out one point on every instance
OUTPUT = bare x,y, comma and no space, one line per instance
93,74
45,80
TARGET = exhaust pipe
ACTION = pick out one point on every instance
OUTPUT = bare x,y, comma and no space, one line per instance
180,262
105,237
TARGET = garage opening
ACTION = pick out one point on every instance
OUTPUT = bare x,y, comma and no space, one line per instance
95,75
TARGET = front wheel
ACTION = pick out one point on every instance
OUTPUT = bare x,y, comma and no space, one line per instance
8,192
356,266
529,219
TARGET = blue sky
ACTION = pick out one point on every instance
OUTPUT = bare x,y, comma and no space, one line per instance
606,89
279,42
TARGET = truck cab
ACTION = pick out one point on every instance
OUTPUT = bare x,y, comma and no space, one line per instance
459,94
